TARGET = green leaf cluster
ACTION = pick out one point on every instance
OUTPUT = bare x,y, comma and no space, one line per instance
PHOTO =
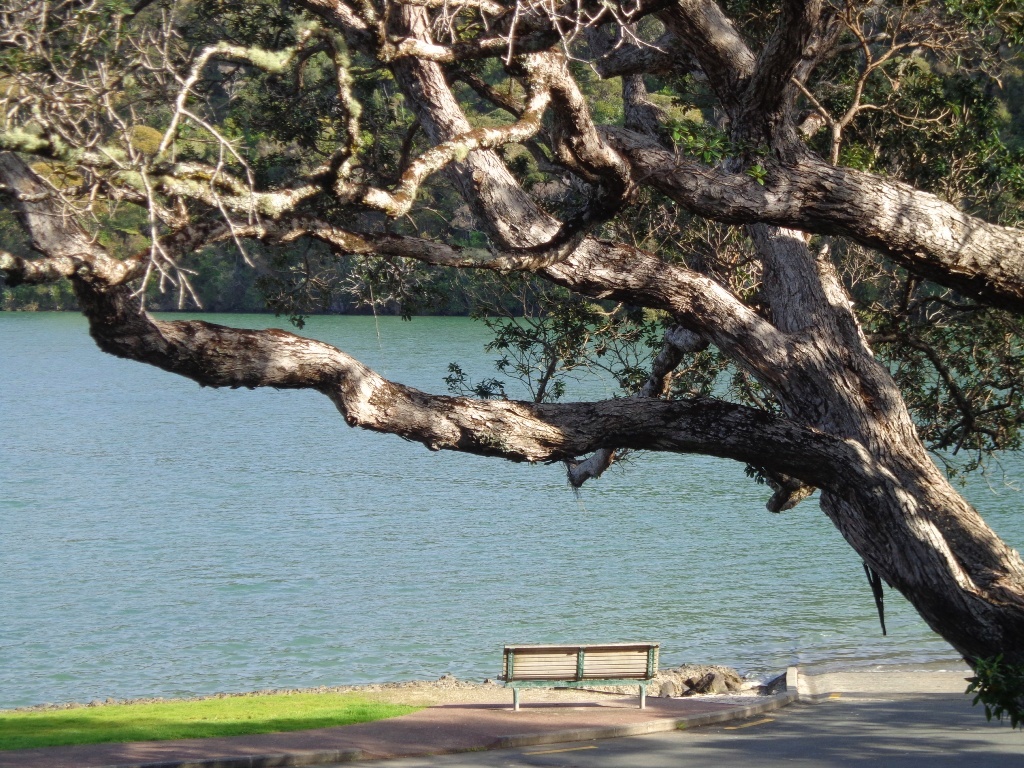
999,687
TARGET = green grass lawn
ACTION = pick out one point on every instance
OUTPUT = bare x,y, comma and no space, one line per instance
232,716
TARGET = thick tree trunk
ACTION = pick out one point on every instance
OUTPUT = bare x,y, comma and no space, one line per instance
923,538
918,533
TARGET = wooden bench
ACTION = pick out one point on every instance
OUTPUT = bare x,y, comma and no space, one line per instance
579,666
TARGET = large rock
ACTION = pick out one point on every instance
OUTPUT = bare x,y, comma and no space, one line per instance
712,682
774,686
669,689
732,680
679,681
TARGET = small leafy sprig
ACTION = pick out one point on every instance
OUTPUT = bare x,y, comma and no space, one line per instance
758,173
700,140
1000,688
712,146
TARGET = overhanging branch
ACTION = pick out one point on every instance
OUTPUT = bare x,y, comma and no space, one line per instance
217,356
923,233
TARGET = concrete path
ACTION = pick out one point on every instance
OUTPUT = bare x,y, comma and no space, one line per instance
432,731
921,730
908,720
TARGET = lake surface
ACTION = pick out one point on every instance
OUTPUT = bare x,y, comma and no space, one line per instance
159,539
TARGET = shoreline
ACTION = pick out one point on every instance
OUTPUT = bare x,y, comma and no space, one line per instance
446,688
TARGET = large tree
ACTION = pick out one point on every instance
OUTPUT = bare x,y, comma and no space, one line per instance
841,161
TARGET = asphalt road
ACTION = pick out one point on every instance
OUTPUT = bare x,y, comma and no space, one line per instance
919,730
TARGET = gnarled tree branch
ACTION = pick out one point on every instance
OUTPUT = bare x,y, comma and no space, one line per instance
928,236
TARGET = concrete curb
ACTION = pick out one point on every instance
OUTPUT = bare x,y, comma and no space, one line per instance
793,680
639,729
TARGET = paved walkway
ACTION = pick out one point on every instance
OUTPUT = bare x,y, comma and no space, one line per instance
432,731
456,728
847,730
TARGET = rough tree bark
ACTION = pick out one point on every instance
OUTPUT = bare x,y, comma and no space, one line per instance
935,548
844,428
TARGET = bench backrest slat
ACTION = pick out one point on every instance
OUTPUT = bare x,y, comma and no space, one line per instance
541,666
632,661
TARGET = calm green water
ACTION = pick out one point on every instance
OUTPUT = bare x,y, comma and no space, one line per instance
161,539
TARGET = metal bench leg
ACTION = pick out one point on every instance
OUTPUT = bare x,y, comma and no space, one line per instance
643,697
515,699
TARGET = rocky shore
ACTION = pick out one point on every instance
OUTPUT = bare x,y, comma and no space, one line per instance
685,680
